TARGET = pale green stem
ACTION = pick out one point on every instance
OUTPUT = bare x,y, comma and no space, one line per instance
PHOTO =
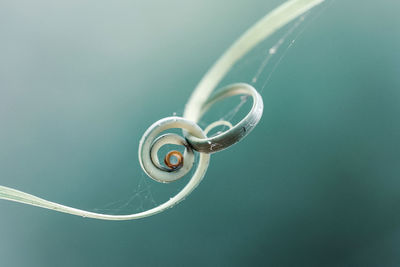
261,30
273,21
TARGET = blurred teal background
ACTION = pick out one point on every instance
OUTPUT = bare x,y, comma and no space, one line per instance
317,183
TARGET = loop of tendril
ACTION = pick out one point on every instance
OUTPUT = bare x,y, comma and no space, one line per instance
196,138
151,143
235,133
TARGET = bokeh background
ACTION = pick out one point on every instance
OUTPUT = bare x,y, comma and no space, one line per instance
317,183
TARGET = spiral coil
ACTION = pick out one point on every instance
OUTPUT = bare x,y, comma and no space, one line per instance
194,138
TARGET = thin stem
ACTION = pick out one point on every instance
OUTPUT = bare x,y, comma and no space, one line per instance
264,28
261,30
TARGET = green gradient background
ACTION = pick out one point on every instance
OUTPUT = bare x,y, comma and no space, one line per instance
316,184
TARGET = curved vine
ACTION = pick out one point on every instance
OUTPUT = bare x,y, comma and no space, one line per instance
194,138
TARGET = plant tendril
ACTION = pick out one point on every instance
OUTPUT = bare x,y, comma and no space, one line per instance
194,139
